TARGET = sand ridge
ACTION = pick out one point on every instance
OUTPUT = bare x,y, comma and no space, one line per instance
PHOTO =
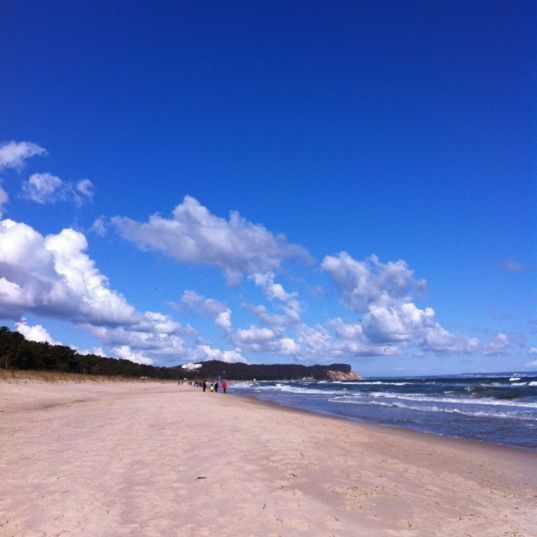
157,459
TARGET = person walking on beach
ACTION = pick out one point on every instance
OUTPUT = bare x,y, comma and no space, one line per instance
216,386
224,386
204,385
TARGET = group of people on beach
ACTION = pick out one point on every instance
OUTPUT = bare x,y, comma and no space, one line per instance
212,386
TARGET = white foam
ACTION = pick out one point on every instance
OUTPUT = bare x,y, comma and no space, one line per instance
286,388
453,400
434,408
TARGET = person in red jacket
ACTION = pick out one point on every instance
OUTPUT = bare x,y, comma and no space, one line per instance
224,386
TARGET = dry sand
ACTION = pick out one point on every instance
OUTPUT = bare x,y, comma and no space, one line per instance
154,459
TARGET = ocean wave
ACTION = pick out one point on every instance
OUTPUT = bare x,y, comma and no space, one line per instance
434,408
379,382
286,388
451,400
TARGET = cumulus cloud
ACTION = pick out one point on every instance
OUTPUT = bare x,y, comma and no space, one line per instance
124,352
319,343
159,341
387,320
54,276
289,307
209,306
99,227
273,290
3,200
14,154
97,351
206,352
34,333
498,345
532,350
338,339
260,339
255,337
45,188
382,295
194,235
361,283
85,189
42,188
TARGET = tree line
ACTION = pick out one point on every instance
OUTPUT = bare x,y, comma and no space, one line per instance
16,352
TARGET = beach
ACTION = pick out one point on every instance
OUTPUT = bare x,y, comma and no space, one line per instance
159,459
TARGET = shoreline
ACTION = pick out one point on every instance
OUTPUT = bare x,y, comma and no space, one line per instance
384,426
158,459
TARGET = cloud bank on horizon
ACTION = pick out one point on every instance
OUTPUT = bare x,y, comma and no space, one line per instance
53,276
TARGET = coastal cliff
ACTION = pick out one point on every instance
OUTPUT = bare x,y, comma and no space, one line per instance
341,375
18,353
241,371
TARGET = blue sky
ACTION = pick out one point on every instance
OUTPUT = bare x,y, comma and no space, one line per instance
272,182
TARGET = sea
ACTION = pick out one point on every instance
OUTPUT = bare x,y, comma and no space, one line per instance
500,409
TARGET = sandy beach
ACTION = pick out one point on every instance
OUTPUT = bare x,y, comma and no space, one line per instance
156,459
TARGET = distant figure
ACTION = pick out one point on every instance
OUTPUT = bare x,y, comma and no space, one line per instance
224,386
211,389
216,386
204,385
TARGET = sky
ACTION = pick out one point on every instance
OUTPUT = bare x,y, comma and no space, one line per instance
272,182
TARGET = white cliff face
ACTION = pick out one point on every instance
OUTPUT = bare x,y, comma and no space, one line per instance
191,367
340,375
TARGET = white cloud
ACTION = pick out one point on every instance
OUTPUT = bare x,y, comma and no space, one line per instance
338,340
289,307
223,320
206,352
97,351
288,346
124,352
532,350
34,333
194,235
265,340
209,306
54,276
272,290
14,154
361,283
314,341
382,293
85,188
498,345
4,198
348,331
154,334
45,188
99,227
437,339
255,338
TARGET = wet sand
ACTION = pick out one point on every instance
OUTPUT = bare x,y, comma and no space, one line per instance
155,459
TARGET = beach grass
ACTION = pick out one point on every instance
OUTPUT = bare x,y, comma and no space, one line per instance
17,375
